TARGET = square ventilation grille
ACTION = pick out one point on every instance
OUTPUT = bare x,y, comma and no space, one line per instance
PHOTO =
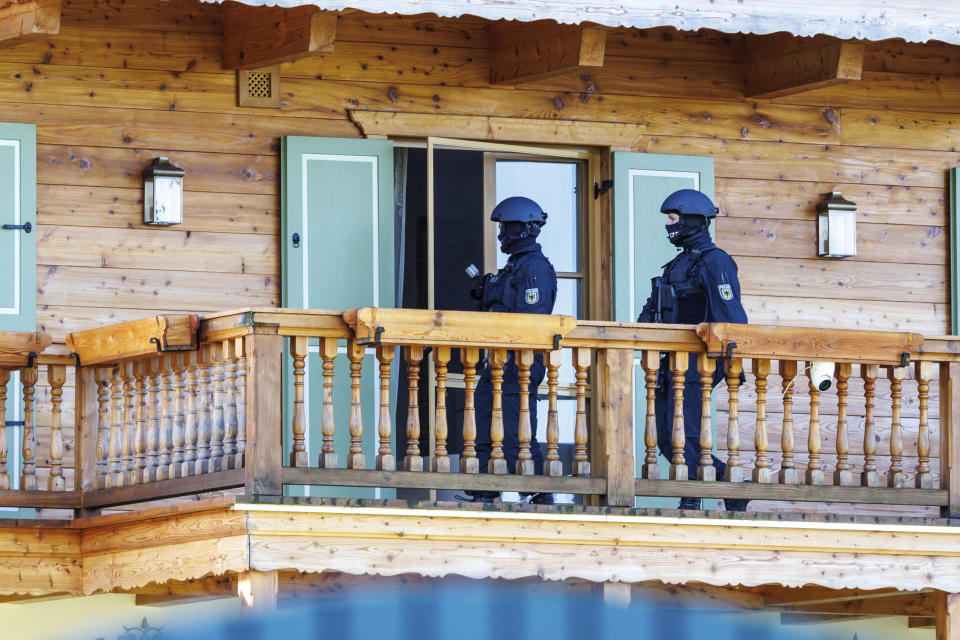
259,88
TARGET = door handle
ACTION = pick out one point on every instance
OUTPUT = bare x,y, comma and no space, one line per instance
26,226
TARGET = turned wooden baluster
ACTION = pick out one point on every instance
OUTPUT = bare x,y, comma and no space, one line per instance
153,418
524,429
789,474
4,472
56,377
217,425
190,432
843,475
178,436
705,469
651,367
114,476
140,432
328,455
814,465
679,361
355,458
204,411
762,472
412,460
28,474
581,461
241,403
497,464
734,472
923,371
128,445
386,461
101,376
440,460
469,463
166,422
552,466
870,477
896,478
230,423
298,351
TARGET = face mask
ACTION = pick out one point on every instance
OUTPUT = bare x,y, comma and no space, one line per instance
675,233
511,236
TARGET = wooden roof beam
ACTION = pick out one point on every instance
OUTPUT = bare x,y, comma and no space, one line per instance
256,37
26,17
527,51
774,74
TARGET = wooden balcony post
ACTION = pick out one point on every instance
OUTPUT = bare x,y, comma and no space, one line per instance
258,590
440,460
103,441
788,471
581,431
923,371
615,395
843,475
140,431
28,475
178,435
762,473
678,465
230,424
552,465
114,477
56,376
217,424
870,477
651,466
734,471
895,476
814,465
468,458
86,425
947,615
355,457
524,457
298,453
497,463
4,473
412,460
241,403
153,418
386,461
165,440
129,422
204,412
190,418
264,432
950,436
328,453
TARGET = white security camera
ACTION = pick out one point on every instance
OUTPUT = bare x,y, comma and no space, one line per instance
821,374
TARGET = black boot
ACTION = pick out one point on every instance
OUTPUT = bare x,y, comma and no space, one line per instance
690,504
482,496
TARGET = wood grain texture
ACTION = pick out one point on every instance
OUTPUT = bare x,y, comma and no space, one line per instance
24,18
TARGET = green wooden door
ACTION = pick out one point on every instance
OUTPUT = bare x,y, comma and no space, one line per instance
640,249
338,198
18,250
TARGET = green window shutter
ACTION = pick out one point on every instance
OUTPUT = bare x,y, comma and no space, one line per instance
954,248
18,206
640,249
337,196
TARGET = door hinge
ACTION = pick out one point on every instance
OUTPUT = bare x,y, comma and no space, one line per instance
26,226
602,188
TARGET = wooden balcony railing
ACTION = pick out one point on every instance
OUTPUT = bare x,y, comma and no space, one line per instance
177,405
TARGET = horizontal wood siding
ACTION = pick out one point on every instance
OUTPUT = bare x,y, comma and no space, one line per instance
127,80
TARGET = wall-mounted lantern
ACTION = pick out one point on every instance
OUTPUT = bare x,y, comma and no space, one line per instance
837,226
163,193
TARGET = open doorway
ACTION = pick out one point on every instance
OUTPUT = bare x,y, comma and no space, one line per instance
435,242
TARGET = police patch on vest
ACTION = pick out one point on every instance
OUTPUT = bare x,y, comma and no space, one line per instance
533,296
726,291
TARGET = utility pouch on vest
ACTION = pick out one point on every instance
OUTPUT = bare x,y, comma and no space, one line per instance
666,297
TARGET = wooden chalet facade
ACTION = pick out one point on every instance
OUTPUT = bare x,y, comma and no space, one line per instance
231,405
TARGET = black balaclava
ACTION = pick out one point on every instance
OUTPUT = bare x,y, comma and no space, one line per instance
515,236
686,229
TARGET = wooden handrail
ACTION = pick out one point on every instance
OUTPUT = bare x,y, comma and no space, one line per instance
16,347
136,338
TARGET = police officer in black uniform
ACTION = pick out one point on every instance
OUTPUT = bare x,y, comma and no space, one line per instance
699,285
526,284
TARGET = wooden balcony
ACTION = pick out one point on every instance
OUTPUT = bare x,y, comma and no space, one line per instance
180,406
